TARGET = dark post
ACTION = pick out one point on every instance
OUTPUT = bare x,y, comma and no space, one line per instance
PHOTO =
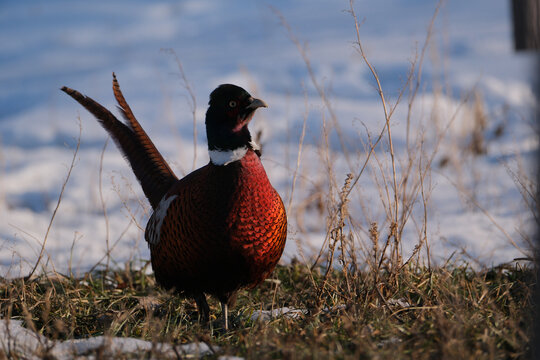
526,16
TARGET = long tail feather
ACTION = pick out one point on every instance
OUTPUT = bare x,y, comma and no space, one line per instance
152,171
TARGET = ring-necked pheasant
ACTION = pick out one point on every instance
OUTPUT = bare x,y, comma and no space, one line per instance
220,228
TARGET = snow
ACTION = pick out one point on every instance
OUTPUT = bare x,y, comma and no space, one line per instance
48,44
20,341
266,315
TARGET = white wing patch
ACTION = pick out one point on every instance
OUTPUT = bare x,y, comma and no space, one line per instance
225,157
156,221
254,145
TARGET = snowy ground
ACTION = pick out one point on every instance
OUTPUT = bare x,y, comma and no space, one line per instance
48,44
20,342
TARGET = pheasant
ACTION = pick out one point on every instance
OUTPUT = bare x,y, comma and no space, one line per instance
220,228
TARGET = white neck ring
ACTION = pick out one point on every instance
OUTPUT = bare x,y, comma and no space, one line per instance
225,157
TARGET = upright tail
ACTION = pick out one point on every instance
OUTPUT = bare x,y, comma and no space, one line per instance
153,173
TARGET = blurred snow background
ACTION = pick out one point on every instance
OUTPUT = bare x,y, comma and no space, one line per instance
475,204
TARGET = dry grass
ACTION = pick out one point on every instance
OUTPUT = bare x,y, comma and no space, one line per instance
450,312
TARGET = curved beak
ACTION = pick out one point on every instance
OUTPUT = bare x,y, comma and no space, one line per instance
247,113
256,103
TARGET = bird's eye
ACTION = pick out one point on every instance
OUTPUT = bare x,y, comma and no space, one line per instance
232,103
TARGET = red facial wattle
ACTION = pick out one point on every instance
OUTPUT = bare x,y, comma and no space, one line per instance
246,114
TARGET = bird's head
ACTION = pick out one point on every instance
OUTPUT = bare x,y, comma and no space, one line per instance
230,110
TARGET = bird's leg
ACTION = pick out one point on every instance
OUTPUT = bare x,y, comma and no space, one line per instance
227,301
225,314
202,307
